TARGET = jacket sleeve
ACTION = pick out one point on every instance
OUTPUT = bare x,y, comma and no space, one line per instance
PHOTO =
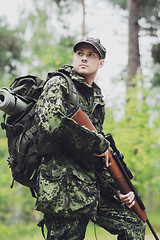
52,120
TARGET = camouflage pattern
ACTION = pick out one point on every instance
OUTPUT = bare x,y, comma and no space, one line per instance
70,193
112,215
67,183
65,228
115,218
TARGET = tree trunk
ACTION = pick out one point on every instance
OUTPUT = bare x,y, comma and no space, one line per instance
133,45
84,18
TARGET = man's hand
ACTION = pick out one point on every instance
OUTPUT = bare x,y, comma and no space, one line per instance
128,198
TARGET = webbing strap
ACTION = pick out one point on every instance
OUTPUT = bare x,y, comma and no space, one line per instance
41,225
73,93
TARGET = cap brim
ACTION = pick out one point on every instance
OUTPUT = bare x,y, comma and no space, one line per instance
78,43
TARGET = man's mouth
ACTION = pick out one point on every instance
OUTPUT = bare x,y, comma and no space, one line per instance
83,65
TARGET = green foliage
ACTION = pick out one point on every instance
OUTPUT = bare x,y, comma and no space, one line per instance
156,52
2,133
156,77
139,142
66,6
10,48
51,57
121,3
25,232
56,56
45,50
16,205
148,10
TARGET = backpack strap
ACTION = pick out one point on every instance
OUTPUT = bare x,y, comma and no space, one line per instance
41,225
73,93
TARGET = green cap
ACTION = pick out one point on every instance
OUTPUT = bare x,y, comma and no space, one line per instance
95,42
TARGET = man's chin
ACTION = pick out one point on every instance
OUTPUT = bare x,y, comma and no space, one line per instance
83,72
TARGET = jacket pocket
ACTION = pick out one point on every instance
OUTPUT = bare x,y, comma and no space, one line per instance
83,193
51,190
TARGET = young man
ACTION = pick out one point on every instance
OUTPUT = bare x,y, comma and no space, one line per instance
74,185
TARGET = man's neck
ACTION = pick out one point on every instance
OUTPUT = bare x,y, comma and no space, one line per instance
90,79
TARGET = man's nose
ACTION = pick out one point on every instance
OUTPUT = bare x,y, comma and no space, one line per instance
84,58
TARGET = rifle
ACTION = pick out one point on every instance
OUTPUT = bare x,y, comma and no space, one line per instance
120,176
117,168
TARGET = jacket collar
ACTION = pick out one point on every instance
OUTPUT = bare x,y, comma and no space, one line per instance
69,70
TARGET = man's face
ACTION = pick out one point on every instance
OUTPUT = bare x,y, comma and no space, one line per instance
86,60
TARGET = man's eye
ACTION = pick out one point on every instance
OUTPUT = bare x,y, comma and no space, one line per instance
91,54
79,53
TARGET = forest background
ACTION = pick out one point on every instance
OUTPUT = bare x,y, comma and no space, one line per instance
40,40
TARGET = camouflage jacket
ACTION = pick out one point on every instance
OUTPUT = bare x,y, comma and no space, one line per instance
66,180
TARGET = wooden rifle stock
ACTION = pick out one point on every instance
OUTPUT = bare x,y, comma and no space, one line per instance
82,119
123,185
116,169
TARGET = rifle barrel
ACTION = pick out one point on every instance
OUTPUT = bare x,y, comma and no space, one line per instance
152,230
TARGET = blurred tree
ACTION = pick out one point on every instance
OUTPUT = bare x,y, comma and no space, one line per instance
10,48
156,53
137,137
156,67
156,76
71,5
46,47
133,41
145,10
84,18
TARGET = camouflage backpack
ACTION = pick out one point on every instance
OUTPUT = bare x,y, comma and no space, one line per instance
25,145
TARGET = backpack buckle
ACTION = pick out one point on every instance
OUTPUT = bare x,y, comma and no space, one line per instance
10,160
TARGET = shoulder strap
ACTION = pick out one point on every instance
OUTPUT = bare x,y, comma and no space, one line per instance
73,93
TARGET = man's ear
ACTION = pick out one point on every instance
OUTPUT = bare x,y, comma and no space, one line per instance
101,63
